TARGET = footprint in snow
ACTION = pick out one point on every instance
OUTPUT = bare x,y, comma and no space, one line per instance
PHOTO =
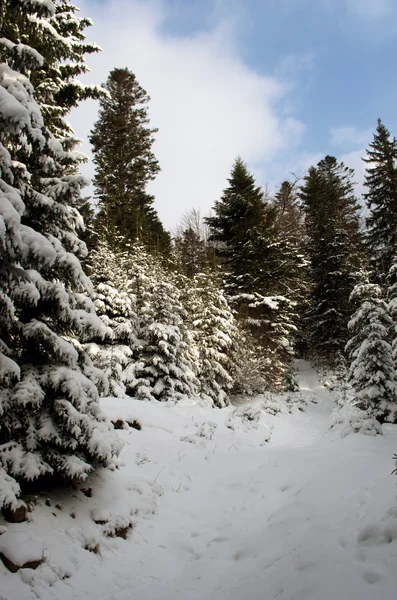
372,576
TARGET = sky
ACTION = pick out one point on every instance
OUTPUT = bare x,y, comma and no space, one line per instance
280,83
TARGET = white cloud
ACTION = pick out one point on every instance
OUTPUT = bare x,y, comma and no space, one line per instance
208,105
351,136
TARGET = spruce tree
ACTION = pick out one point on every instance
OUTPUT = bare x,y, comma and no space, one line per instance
56,33
335,254
193,254
215,335
372,370
51,422
251,252
381,199
293,275
165,367
115,301
122,145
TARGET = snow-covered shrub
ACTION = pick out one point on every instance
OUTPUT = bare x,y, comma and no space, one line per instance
249,372
350,419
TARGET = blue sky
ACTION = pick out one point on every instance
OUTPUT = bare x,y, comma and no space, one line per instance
281,82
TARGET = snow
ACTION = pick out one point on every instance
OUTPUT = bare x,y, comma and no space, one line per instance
20,547
225,504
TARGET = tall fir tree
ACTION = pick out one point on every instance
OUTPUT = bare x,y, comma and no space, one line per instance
122,145
335,252
50,420
381,199
244,227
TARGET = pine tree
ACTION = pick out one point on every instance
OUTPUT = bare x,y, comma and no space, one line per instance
372,370
251,252
122,144
335,254
165,367
115,302
51,422
56,34
215,334
193,254
241,224
293,274
381,199
392,306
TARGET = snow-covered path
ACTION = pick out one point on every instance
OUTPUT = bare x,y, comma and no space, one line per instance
281,522
224,515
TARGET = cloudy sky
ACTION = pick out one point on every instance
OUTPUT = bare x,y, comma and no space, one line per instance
279,82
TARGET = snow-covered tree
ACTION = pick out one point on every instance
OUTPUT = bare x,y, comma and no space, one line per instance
392,305
381,199
122,144
335,254
115,302
215,334
50,419
192,252
46,42
372,371
257,274
166,358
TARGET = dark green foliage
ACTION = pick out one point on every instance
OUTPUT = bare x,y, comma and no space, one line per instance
381,198
252,254
122,142
334,249
193,253
242,227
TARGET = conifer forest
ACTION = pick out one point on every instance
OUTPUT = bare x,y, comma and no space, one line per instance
165,395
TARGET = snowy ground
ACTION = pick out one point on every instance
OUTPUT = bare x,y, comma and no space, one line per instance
221,507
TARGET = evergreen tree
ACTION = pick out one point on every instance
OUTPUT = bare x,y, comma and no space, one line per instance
335,254
293,277
241,225
166,358
51,422
193,253
86,227
56,34
381,199
215,334
372,370
189,253
289,211
392,305
115,302
122,144
245,228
